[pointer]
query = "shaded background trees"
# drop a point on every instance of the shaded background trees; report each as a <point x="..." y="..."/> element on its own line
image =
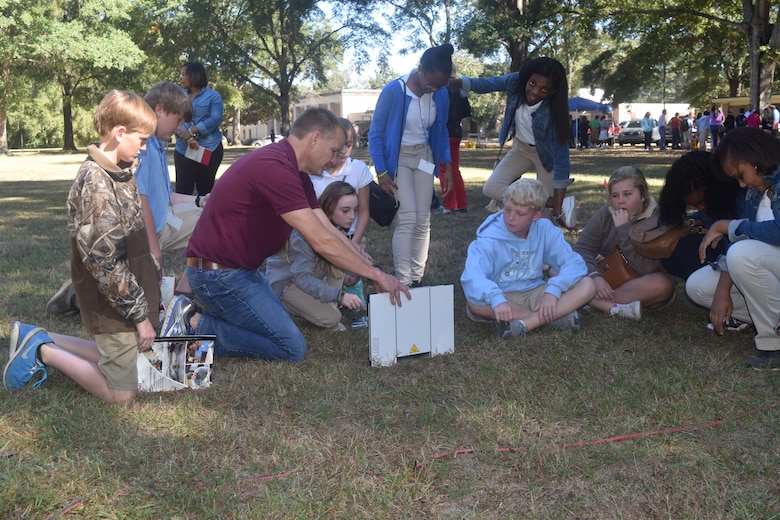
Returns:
<point x="262" y="55"/>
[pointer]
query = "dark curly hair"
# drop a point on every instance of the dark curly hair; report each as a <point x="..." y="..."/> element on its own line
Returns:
<point x="558" y="100"/>
<point x="689" y="174"/>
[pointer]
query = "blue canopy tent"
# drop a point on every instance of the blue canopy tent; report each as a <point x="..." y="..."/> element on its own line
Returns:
<point x="579" y="104"/>
<point x="587" y="105"/>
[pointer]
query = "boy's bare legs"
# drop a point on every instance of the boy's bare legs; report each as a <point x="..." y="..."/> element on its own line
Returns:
<point x="83" y="348"/>
<point x="83" y="370"/>
<point x="579" y="295"/>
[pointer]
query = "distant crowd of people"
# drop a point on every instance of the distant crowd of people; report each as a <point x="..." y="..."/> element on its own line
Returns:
<point x="691" y="131"/>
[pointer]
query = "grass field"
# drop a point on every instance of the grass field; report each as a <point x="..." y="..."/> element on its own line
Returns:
<point x="634" y="420"/>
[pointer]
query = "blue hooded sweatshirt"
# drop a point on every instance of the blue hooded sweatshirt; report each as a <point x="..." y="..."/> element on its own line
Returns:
<point x="499" y="262"/>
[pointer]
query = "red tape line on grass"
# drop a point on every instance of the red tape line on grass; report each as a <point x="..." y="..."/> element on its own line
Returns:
<point x="618" y="438"/>
<point x="464" y="451"/>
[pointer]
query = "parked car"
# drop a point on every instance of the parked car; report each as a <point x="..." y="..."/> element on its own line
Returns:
<point x="632" y="133"/>
<point x="262" y="142"/>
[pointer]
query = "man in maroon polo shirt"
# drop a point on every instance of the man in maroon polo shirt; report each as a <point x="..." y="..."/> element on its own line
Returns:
<point x="251" y="212"/>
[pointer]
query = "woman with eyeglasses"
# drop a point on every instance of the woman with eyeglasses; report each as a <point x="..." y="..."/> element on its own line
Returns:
<point x="537" y="111"/>
<point x="745" y="283"/>
<point x="408" y="141"/>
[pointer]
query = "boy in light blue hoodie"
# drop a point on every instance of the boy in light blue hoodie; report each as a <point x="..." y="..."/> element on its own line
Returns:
<point x="503" y="279"/>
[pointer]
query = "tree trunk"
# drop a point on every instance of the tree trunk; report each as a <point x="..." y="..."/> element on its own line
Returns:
<point x="519" y="53"/>
<point x="236" y="126"/>
<point x="6" y="79"/>
<point x="284" y="106"/>
<point x="3" y="133"/>
<point x="67" y="117"/>
<point x="762" y="68"/>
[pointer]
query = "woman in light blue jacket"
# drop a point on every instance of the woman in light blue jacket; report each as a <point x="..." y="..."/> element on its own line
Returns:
<point x="407" y="141"/>
<point x="537" y="111"/>
<point x="648" y="123"/>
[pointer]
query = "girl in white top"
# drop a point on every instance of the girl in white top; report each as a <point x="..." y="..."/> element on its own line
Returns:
<point x="355" y="173"/>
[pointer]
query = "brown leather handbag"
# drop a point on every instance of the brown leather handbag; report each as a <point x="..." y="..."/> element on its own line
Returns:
<point x="653" y="240"/>
<point x="615" y="269"/>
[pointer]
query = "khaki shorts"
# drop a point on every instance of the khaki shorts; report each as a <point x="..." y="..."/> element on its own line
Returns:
<point x="118" y="359"/>
<point x="527" y="299"/>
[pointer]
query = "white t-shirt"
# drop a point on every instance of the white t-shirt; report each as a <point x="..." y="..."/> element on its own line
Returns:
<point x="523" y="119"/>
<point x="355" y="173"/>
<point x="765" y="212"/>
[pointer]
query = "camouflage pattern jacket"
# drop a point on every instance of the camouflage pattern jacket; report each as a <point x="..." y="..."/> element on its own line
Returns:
<point x="113" y="271"/>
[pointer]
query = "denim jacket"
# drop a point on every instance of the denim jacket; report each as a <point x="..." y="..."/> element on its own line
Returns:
<point x="553" y="154"/>
<point x="747" y="227"/>
<point x="207" y="112"/>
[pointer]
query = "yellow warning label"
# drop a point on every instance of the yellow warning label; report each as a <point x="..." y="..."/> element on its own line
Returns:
<point x="414" y="350"/>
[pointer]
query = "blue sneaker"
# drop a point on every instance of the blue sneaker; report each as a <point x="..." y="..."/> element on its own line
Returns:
<point x="360" y="323"/>
<point x="23" y="364"/>
<point x="18" y="332"/>
<point x="177" y="317"/>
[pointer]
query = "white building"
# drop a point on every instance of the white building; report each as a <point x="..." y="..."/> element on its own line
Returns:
<point x="354" y="104"/>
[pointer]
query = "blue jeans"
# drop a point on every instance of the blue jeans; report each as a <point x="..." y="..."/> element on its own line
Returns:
<point x="715" y="134"/>
<point x="241" y="309"/>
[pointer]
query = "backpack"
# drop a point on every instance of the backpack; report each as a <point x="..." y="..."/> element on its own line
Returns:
<point x="741" y="120"/>
<point x="684" y="126"/>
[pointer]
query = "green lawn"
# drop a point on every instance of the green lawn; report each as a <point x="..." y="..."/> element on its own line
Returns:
<point x="635" y="420"/>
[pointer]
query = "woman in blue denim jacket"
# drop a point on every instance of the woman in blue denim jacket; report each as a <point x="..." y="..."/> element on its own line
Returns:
<point x="747" y="284"/>
<point x="537" y="111"/>
<point x="202" y="132"/>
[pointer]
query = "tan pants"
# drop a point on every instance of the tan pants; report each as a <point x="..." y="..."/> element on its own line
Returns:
<point x="527" y="299"/>
<point x="412" y="234"/>
<point x="521" y="159"/>
<point x="171" y="238"/>
<point x="303" y="305"/>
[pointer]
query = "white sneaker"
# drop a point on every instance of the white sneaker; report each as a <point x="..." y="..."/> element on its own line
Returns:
<point x="569" y="209"/>
<point x="632" y="311"/>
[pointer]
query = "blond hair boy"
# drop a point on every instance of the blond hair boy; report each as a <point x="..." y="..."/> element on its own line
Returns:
<point x="503" y="279"/>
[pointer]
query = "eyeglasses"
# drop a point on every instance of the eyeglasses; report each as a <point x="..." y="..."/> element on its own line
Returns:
<point x="434" y="86"/>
